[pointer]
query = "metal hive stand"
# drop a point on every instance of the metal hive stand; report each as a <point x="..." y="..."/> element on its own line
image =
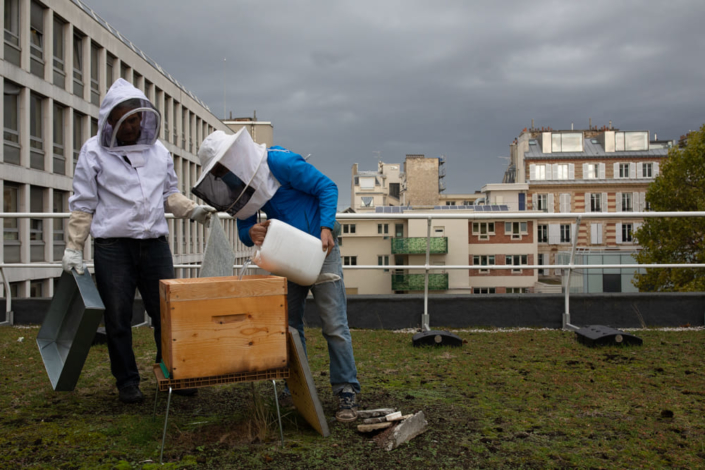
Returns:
<point x="168" y="385"/>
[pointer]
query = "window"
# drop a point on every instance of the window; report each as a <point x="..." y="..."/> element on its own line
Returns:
<point x="367" y="182"/>
<point x="95" y="74"/>
<point x="77" y="136"/>
<point x="564" y="202"/>
<point x="565" y="233"/>
<point x="394" y="190"/>
<point x="165" y="118"/>
<point x="540" y="263"/>
<point x="631" y="141"/>
<point x="450" y="203"/>
<point x="59" y="54"/>
<point x="567" y="142"/>
<point x="624" y="170"/>
<point x="58" y="205"/>
<point x="517" y="290"/>
<point x="383" y="228"/>
<point x="596" y="202"/>
<point x="627" y="202"/>
<point x="591" y="171"/>
<point x="11" y="232"/>
<point x="483" y="290"/>
<point x="561" y="171"/>
<point x="516" y="260"/>
<point x="383" y="260"/>
<point x="36" y="39"/>
<point x="627" y="232"/>
<point x="349" y="260"/>
<point x="540" y="172"/>
<point x="367" y="202"/>
<point x="543" y="233"/>
<point x="541" y="202"/>
<point x="516" y="229"/>
<point x="483" y="260"/>
<point x="175" y="110"/>
<point x="399" y="230"/>
<point x="94" y="132"/>
<point x="36" y="288"/>
<point x="36" y="226"/>
<point x="11" y="126"/>
<point x="647" y="170"/>
<point x="109" y="70"/>
<point x="12" y="31"/>
<point x="59" y="160"/>
<point x="348" y="228"/>
<point x="483" y="229"/>
<point x="124" y="71"/>
<point x="78" y="65"/>
<point x="36" y="134"/>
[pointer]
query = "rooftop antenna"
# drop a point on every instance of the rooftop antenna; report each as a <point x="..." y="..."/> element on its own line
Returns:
<point x="225" y="81"/>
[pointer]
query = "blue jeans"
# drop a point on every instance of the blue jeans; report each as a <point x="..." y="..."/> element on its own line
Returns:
<point x="329" y="295"/>
<point x="121" y="266"/>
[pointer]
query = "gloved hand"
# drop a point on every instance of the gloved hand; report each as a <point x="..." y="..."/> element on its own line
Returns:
<point x="73" y="259"/>
<point x="202" y="214"/>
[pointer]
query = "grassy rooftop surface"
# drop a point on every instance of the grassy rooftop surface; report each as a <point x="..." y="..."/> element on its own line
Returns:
<point x="508" y="399"/>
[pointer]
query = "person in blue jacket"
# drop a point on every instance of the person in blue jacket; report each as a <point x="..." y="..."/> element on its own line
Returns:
<point x="288" y="188"/>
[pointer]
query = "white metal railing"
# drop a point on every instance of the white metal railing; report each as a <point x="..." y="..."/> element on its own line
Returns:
<point x="429" y="216"/>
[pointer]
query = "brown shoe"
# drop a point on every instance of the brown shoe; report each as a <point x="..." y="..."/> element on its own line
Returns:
<point x="347" y="406"/>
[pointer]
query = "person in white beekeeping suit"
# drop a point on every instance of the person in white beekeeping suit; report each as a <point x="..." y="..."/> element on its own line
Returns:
<point x="123" y="184"/>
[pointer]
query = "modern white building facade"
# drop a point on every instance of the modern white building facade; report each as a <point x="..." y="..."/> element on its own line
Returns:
<point x="58" y="60"/>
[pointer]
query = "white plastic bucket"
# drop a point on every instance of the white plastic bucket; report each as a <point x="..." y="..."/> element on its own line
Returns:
<point x="291" y="253"/>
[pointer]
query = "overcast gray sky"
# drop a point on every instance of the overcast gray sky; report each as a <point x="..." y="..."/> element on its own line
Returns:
<point x="361" y="81"/>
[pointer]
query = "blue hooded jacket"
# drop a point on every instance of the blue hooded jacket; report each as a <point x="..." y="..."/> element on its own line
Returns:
<point x="307" y="199"/>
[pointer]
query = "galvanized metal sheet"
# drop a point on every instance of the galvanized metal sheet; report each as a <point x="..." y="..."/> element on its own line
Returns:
<point x="68" y="329"/>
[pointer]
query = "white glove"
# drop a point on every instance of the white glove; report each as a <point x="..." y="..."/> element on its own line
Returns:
<point x="202" y="214"/>
<point x="73" y="259"/>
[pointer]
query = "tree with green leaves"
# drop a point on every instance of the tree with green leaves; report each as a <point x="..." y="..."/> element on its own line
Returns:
<point x="679" y="187"/>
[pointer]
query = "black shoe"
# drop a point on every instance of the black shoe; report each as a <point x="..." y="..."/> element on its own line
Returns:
<point x="131" y="394"/>
<point x="186" y="392"/>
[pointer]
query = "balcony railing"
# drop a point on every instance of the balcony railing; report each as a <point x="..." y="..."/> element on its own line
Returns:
<point x="417" y="246"/>
<point x="407" y="282"/>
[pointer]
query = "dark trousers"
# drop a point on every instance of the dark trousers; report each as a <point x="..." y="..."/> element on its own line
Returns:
<point x="123" y="265"/>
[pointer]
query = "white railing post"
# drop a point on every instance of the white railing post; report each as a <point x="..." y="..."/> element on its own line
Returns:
<point x="9" y="315"/>
<point x="425" y="320"/>
<point x="566" y="314"/>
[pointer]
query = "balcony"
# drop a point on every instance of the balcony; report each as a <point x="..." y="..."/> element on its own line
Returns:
<point x="406" y="282"/>
<point x="417" y="246"/>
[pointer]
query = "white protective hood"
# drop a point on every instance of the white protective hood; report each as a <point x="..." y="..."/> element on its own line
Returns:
<point x="235" y="178"/>
<point x="120" y="92"/>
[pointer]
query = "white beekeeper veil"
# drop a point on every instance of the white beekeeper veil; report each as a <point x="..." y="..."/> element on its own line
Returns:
<point x="122" y="95"/>
<point x="235" y="176"/>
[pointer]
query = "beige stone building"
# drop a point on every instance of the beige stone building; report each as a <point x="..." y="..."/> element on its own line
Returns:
<point x="372" y="189"/>
<point x="262" y="132"/>
<point x="586" y="171"/>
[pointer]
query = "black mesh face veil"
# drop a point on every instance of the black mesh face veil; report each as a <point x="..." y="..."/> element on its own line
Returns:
<point x="224" y="190"/>
<point x="150" y="121"/>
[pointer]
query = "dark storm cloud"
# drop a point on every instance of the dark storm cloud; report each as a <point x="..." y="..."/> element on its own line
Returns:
<point x="354" y="82"/>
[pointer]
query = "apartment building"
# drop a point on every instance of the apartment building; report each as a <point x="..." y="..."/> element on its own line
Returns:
<point x="59" y="59"/>
<point x="372" y="189"/>
<point x="586" y="171"/>
<point x="262" y="132"/>
<point x="401" y="242"/>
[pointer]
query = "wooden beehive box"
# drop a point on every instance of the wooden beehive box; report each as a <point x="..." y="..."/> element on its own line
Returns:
<point x="221" y="325"/>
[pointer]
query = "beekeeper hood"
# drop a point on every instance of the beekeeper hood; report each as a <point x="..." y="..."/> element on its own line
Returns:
<point x="235" y="176"/>
<point x="128" y="122"/>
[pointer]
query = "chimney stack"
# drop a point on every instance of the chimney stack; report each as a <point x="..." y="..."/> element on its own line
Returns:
<point x="590" y="123"/>
<point x="571" y="126"/>
<point x="532" y="124"/>
<point x="610" y="124"/>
